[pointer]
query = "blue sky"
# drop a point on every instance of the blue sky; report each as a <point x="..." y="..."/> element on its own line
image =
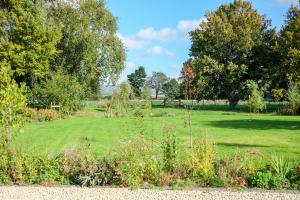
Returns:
<point x="155" y="31"/>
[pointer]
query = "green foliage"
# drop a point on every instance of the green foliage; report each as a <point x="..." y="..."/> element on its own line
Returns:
<point x="119" y="102"/>
<point x="12" y="104"/>
<point x="157" y="80"/>
<point x="104" y="173"/>
<point x="289" y="69"/>
<point x="170" y="149"/>
<point x="90" y="49"/>
<point x="202" y="159"/>
<point x="221" y="47"/>
<point x="256" y="101"/>
<point x="233" y="171"/>
<point x="47" y="115"/>
<point x="280" y="166"/>
<point x="293" y="97"/>
<point x="137" y="80"/>
<point x="261" y="179"/>
<point x="29" y="44"/>
<point x="59" y="89"/>
<point x="136" y="162"/>
<point x="278" y="94"/>
<point x="171" y="89"/>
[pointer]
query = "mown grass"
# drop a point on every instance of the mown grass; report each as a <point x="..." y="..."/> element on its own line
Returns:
<point x="232" y="131"/>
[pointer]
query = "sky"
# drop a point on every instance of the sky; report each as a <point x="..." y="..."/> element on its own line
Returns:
<point x="155" y="32"/>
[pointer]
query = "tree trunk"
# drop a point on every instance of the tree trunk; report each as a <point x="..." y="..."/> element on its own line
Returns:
<point x="233" y="101"/>
<point x="156" y="94"/>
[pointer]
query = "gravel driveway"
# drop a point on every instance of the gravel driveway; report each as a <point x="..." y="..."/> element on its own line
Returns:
<point x="74" y="193"/>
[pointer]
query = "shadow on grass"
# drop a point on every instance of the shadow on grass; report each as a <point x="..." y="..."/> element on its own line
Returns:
<point x="257" y="124"/>
<point x="241" y="145"/>
<point x="211" y="107"/>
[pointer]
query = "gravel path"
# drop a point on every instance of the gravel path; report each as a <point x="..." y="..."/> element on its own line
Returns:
<point x="74" y="193"/>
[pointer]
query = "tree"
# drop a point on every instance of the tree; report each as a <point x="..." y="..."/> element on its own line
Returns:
<point x="61" y="89"/>
<point x="137" y="80"/>
<point x="290" y="47"/>
<point x="12" y="104"/>
<point x="27" y="39"/>
<point x="221" y="48"/>
<point x="293" y="97"/>
<point x="90" y="49"/>
<point x="256" y="100"/>
<point x="171" y="89"/>
<point x="157" y="80"/>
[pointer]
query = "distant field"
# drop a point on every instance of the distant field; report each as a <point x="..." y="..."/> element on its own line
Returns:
<point x="231" y="131"/>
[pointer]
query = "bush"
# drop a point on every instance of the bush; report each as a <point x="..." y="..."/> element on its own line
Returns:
<point x="137" y="163"/>
<point x="201" y="162"/>
<point x="169" y="148"/>
<point x="260" y="179"/>
<point x="47" y="115"/>
<point x="293" y="98"/>
<point x="31" y="114"/>
<point x="60" y="89"/>
<point x="104" y="173"/>
<point x="294" y="178"/>
<point x="256" y="100"/>
<point x="234" y="171"/>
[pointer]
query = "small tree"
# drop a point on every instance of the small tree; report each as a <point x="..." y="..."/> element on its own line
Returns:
<point x="171" y="89"/>
<point x="293" y="97"/>
<point x="137" y="80"/>
<point x="157" y="81"/>
<point x="120" y="100"/>
<point x="12" y="104"/>
<point x="256" y="100"/>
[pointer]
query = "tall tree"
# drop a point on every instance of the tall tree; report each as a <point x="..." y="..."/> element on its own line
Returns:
<point x="137" y="80"/>
<point x="171" y="89"/>
<point x="222" y="45"/>
<point x="157" y="80"/>
<point x="27" y="39"/>
<point x="290" y="46"/>
<point x="90" y="49"/>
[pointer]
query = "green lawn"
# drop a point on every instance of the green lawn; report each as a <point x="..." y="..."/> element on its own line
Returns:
<point x="231" y="131"/>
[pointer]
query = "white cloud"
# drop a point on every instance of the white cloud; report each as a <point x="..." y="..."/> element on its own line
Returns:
<point x="286" y="1"/>
<point x="132" y="43"/>
<point x="154" y="51"/>
<point x="150" y="33"/>
<point x="189" y="25"/>
<point x="170" y="54"/>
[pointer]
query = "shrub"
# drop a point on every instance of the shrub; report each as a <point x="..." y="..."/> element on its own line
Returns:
<point x="279" y="182"/>
<point x="137" y="162"/>
<point x="31" y="114"/>
<point x="278" y="94"/>
<point x="169" y="148"/>
<point x="104" y="173"/>
<point x="60" y="89"/>
<point x="233" y="171"/>
<point x="293" y="97"/>
<point x="76" y="163"/>
<point x="47" y="115"/>
<point x="260" y="179"/>
<point x="256" y="100"/>
<point x="294" y="178"/>
<point x="201" y="162"/>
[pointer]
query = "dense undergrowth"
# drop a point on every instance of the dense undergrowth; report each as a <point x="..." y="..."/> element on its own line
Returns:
<point x="143" y="163"/>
